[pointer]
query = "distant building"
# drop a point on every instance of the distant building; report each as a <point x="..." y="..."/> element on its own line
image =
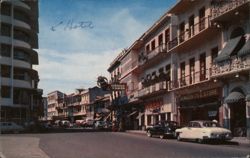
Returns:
<point x="20" y="96"/>
<point x="55" y="105"/>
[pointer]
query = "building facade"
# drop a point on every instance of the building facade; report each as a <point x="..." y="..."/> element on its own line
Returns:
<point x="192" y="64"/>
<point x="20" y="95"/>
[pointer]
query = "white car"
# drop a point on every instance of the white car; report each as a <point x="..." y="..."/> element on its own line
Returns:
<point x="6" y="127"/>
<point x="203" y="130"/>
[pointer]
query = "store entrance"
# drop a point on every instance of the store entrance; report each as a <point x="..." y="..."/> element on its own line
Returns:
<point x="238" y="118"/>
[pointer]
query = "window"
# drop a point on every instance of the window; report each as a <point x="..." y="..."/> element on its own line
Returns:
<point x="167" y="36"/>
<point x="202" y="18"/>
<point x="5" y="30"/>
<point x="5" y="9"/>
<point x="183" y="83"/>
<point x="191" y="26"/>
<point x="147" y="48"/>
<point x="202" y="66"/>
<point x="5" y="71"/>
<point x="21" y="55"/>
<point x="168" y="69"/>
<point x="214" y="53"/>
<point x="19" y="15"/>
<point x="20" y="35"/>
<point x="5" y="91"/>
<point x="182" y="31"/>
<point x="192" y="71"/>
<point x="5" y="50"/>
<point x="160" y="39"/>
<point x="153" y="45"/>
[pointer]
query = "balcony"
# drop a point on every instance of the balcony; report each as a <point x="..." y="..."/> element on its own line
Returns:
<point x="153" y="89"/>
<point x="148" y="58"/>
<point x="187" y="35"/>
<point x="189" y="80"/>
<point x="223" y="7"/>
<point x="232" y="66"/>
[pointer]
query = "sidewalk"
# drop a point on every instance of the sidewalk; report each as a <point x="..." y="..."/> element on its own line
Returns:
<point x="20" y="147"/>
<point x="242" y="141"/>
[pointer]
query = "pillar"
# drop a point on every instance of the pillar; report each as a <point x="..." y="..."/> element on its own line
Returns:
<point x="248" y="118"/>
<point x="226" y="116"/>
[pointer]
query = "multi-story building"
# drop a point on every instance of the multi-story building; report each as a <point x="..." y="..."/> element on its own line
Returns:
<point x="89" y="97"/>
<point x="74" y="106"/>
<point x="18" y="80"/>
<point x="56" y="105"/>
<point x="231" y="67"/>
<point x="193" y="64"/>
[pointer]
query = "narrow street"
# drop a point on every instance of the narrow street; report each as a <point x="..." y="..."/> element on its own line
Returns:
<point x="124" y="145"/>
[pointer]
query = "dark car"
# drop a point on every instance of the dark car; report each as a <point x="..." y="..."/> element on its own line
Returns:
<point x="163" y="129"/>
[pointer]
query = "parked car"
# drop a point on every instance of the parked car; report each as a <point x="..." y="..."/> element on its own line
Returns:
<point x="201" y="131"/>
<point x="89" y="123"/>
<point x="100" y="124"/>
<point x="10" y="127"/>
<point x="162" y="129"/>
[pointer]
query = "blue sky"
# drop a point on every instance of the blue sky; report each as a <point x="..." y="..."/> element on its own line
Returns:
<point x="79" y="38"/>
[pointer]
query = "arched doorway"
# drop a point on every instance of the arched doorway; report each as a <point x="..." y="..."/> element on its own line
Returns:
<point x="237" y="106"/>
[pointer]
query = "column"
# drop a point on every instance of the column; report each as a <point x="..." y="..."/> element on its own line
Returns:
<point x="248" y="118"/>
<point x="226" y="116"/>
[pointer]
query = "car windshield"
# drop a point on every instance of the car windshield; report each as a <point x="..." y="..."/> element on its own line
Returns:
<point x="210" y="124"/>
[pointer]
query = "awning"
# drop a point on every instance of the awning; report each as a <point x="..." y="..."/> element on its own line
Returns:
<point x="228" y="49"/>
<point x="234" y="97"/>
<point x="140" y="115"/>
<point x="245" y="50"/>
<point x="248" y="97"/>
<point x="132" y="113"/>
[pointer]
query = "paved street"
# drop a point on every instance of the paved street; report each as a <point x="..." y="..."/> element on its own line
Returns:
<point x="118" y="145"/>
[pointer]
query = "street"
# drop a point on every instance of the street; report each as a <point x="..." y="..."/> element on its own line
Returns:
<point x="118" y="145"/>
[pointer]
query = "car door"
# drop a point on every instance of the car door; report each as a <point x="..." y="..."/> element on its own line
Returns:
<point x="196" y="131"/>
<point x="186" y="131"/>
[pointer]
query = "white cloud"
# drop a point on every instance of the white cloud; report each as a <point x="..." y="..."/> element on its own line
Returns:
<point x="74" y="58"/>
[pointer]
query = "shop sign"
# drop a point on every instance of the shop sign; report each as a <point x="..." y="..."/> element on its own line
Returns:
<point x="154" y="106"/>
<point x="212" y="113"/>
<point x="199" y="95"/>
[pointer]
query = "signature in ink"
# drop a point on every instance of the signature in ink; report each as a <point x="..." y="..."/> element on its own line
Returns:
<point x="71" y="25"/>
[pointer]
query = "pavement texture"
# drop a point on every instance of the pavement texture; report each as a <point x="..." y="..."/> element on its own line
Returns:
<point x="242" y="141"/>
<point x="20" y="147"/>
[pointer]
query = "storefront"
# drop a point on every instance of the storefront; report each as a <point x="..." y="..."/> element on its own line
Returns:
<point x="200" y="105"/>
<point x="157" y="109"/>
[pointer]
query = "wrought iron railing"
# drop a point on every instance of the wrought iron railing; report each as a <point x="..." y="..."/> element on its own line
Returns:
<point x="233" y="65"/>
<point x="190" y="32"/>
<point x="221" y="7"/>
<point x="163" y="85"/>
<point x="191" y="79"/>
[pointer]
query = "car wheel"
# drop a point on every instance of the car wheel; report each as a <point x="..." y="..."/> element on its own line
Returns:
<point x="178" y="137"/>
<point x="162" y="136"/>
<point x="149" y="134"/>
<point x="200" y="141"/>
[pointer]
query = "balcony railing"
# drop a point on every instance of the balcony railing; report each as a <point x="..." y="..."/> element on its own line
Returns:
<point x="151" y="54"/>
<point x="189" y="33"/>
<point x="153" y="88"/>
<point x="194" y="78"/>
<point x="222" y="7"/>
<point x="231" y="66"/>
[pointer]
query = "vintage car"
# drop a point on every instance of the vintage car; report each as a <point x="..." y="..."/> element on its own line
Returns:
<point x="7" y="127"/>
<point x="162" y="129"/>
<point x="201" y="131"/>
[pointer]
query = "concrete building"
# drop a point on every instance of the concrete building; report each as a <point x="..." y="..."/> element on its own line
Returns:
<point x="192" y="64"/>
<point x="231" y="67"/>
<point x="18" y="39"/>
<point x="56" y="105"/>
